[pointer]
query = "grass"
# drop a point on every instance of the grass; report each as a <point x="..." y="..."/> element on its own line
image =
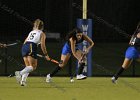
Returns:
<point x="95" y="88"/>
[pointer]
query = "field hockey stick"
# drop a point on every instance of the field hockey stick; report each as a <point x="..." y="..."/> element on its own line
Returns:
<point x="12" y="44"/>
<point x="50" y="59"/>
<point x="83" y="57"/>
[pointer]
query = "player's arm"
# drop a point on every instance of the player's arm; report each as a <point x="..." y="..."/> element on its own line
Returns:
<point x="89" y="41"/>
<point x="43" y="46"/>
<point x="72" y="42"/>
<point x="138" y="35"/>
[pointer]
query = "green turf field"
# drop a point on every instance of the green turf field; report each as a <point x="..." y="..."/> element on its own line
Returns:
<point x="61" y="89"/>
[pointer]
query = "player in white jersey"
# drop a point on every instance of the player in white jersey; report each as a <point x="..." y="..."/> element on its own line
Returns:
<point x="29" y="51"/>
<point x="34" y="36"/>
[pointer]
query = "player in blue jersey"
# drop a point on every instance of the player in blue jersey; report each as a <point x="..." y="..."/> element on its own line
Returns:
<point x="71" y="48"/>
<point x="132" y="52"/>
<point x="29" y="51"/>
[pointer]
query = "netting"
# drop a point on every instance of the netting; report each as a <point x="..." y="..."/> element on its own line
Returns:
<point x="111" y="32"/>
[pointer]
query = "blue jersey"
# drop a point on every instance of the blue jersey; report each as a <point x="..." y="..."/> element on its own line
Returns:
<point x="29" y="49"/>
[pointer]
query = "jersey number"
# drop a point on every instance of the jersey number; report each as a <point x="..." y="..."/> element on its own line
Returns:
<point x="32" y="36"/>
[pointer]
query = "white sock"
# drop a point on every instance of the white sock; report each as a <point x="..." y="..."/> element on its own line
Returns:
<point x="27" y="69"/>
<point x="24" y="77"/>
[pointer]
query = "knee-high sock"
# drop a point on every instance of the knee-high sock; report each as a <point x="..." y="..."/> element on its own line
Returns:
<point x="24" y="77"/>
<point x="81" y="67"/>
<point x="27" y="69"/>
<point x="55" y="71"/>
<point x="119" y="72"/>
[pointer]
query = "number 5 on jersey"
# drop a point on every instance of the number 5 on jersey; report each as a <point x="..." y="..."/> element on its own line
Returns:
<point x="32" y="35"/>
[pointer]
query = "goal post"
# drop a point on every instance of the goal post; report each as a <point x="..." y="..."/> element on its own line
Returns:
<point x="86" y="26"/>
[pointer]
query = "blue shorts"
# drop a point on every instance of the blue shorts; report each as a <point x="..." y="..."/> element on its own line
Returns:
<point x="132" y="53"/>
<point x="29" y="49"/>
<point x="66" y="49"/>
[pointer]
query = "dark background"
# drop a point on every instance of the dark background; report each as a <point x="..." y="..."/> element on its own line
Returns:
<point x="113" y="22"/>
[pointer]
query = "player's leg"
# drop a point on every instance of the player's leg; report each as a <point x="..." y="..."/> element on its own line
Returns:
<point x="65" y="55"/>
<point x="29" y="56"/>
<point x="32" y="64"/>
<point x="125" y="65"/>
<point x="80" y="76"/>
<point x="63" y="62"/>
<point x="81" y="67"/>
<point x="24" y="72"/>
<point x="19" y="74"/>
<point x="131" y="53"/>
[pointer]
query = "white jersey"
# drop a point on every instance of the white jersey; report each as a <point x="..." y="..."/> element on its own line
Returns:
<point x="34" y="36"/>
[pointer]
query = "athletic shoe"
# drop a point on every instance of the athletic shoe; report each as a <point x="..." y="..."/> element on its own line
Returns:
<point x="48" y="78"/>
<point x="80" y="77"/>
<point x="23" y="83"/>
<point x="18" y="76"/>
<point x="113" y="79"/>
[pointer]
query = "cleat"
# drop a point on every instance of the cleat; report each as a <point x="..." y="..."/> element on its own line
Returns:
<point x="80" y="77"/>
<point x="23" y="83"/>
<point x="18" y="76"/>
<point x="113" y="79"/>
<point x="48" y="78"/>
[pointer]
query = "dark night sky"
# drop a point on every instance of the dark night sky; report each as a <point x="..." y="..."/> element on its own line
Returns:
<point x="60" y="16"/>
